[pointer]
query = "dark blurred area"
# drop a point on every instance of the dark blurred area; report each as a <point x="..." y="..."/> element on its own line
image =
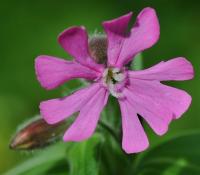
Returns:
<point x="30" y="28"/>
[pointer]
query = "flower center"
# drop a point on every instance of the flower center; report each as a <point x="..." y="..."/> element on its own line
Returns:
<point x="113" y="79"/>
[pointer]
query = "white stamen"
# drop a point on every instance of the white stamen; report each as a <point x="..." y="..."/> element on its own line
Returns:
<point x="110" y="77"/>
<point x="115" y="70"/>
<point x="119" y="77"/>
<point x="113" y="90"/>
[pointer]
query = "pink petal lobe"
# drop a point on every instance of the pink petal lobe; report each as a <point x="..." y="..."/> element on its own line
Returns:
<point x="154" y="113"/>
<point x="122" y="47"/>
<point x="74" y="40"/>
<point x="52" y="72"/>
<point x="158" y="104"/>
<point x="174" y="69"/>
<point x="134" y="138"/>
<point x="85" y="124"/>
<point x="144" y="34"/>
<point x="116" y="32"/>
<point x="56" y="110"/>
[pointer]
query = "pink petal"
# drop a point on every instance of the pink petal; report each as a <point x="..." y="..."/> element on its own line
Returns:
<point x="56" y="110"/>
<point x="161" y="99"/>
<point x="174" y="69"/>
<point x="154" y="113"/>
<point x="145" y="33"/>
<point x="52" y="72"/>
<point x="85" y="124"/>
<point x="134" y="138"/>
<point x="116" y="32"/>
<point x="75" y="41"/>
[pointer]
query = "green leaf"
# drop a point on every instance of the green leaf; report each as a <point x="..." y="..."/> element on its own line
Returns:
<point x="42" y="161"/>
<point x="137" y="63"/>
<point x="177" y="156"/>
<point x="113" y="160"/>
<point x="83" y="157"/>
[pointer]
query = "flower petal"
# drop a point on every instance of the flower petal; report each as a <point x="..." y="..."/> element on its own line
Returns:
<point x="74" y="40"/>
<point x="174" y="69"/>
<point x="52" y="72"/>
<point x="56" y="110"/>
<point x="162" y="100"/>
<point x="123" y="47"/>
<point x="154" y="113"/>
<point x="134" y="138"/>
<point x="144" y="34"/>
<point x="85" y="124"/>
<point x="116" y="32"/>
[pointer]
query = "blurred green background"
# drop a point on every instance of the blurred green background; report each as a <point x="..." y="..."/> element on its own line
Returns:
<point x="30" y="28"/>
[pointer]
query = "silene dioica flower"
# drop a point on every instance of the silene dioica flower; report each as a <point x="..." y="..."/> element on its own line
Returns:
<point x="138" y="92"/>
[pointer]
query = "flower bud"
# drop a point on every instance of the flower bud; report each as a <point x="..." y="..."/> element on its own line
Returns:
<point x="37" y="134"/>
<point x="98" y="48"/>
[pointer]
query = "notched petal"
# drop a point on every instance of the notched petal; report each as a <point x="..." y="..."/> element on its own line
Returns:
<point x="52" y="72"/>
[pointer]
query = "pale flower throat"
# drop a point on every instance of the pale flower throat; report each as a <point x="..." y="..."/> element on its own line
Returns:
<point x="111" y="77"/>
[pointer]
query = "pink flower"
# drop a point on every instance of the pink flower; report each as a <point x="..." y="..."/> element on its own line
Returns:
<point x="138" y="92"/>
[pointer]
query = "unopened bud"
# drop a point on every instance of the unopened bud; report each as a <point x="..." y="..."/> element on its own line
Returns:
<point x="98" y="48"/>
<point x="37" y="134"/>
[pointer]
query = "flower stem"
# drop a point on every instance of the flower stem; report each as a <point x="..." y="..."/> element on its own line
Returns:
<point x="110" y="130"/>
